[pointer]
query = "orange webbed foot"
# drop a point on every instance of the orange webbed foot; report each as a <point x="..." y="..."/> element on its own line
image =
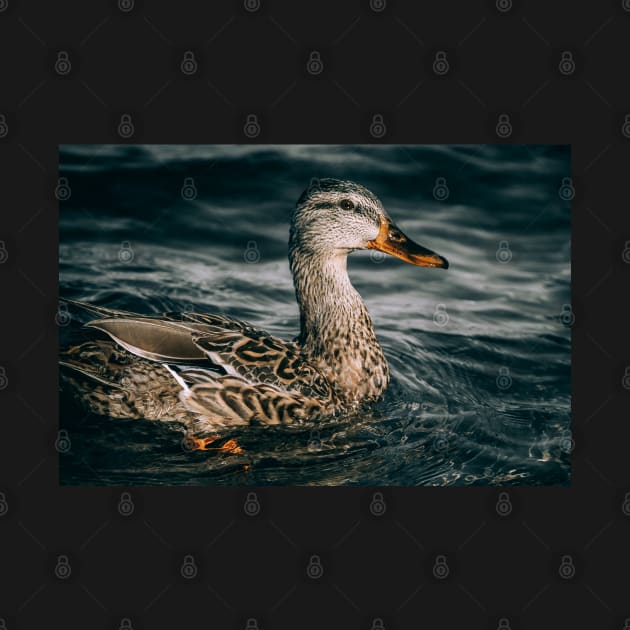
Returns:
<point x="202" y="444"/>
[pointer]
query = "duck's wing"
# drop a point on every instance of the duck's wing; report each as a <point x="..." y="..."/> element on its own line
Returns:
<point x="231" y="400"/>
<point x="268" y="381"/>
<point x="259" y="357"/>
<point x="229" y="372"/>
<point x="238" y="349"/>
<point x="167" y="337"/>
<point x="111" y="381"/>
<point x="153" y="339"/>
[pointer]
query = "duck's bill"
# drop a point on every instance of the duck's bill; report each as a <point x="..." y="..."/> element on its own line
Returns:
<point x="391" y="240"/>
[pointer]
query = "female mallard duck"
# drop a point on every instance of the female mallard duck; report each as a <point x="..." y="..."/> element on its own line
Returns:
<point x="215" y="371"/>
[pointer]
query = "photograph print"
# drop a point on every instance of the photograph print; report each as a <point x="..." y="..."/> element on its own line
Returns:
<point x="251" y="315"/>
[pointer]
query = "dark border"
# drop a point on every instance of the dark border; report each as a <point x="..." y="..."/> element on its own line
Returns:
<point x="504" y="59"/>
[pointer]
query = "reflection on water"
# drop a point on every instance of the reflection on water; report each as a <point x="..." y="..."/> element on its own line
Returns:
<point x="480" y="354"/>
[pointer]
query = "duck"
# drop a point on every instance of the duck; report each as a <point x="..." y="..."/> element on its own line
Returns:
<point x="210" y="371"/>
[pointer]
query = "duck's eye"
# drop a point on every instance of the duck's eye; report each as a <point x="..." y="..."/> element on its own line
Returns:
<point x="346" y="204"/>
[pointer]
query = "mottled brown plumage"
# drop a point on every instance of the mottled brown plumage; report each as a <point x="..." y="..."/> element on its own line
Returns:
<point x="212" y="371"/>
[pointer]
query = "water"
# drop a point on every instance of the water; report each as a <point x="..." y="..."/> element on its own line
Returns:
<point x="479" y="354"/>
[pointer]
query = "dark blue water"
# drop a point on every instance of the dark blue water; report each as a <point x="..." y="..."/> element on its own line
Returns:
<point x="480" y="353"/>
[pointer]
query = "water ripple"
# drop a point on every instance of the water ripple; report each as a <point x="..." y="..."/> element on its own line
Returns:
<point x="482" y="398"/>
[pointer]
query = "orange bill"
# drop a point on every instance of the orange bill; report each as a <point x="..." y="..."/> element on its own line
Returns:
<point x="391" y="240"/>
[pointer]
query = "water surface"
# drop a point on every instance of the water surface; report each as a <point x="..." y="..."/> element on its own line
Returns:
<point x="479" y="354"/>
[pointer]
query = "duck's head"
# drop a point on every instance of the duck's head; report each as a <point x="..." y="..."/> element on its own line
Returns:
<point x="334" y="217"/>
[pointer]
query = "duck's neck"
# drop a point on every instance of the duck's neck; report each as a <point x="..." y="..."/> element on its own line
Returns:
<point x="335" y="326"/>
